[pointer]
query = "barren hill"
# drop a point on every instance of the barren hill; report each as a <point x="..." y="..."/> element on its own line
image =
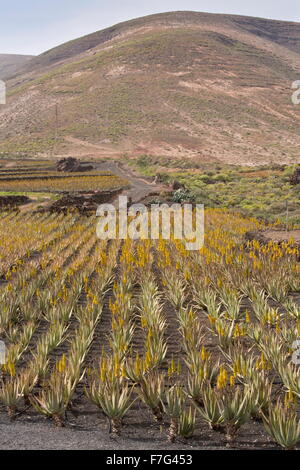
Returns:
<point x="11" y="63"/>
<point x="194" y="85"/>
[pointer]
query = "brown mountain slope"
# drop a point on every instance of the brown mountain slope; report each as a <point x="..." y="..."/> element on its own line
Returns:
<point x="212" y="87"/>
<point x="11" y="63"/>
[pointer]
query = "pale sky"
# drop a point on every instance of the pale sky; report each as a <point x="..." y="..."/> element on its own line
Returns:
<point x="34" y="26"/>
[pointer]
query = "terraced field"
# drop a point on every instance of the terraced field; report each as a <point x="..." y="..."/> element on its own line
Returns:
<point x="42" y="177"/>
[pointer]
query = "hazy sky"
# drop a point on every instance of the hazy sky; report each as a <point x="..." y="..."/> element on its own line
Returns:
<point x="33" y="26"/>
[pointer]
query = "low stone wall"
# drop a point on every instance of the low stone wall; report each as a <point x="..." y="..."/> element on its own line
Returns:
<point x="83" y="203"/>
<point x="13" y="201"/>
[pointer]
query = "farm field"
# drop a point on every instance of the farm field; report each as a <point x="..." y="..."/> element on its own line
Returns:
<point x="146" y="342"/>
<point x="27" y="176"/>
<point x="112" y="338"/>
<point x="59" y="184"/>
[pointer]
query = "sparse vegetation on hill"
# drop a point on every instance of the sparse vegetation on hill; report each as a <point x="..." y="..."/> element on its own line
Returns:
<point x="191" y="85"/>
<point x="261" y="192"/>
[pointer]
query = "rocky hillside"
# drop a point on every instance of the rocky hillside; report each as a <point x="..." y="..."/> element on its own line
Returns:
<point x="193" y="85"/>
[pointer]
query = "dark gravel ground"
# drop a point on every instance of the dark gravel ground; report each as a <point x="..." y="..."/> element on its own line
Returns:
<point x="88" y="430"/>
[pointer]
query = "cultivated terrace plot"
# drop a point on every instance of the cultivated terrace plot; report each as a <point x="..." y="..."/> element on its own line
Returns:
<point x="148" y="340"/>
<point x="28" y="176"/>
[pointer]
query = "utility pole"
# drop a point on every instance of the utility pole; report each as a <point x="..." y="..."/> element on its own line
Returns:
<point x="56" y="122"/>
<point x="55" y="129"/>
<point x="56" y="125"/>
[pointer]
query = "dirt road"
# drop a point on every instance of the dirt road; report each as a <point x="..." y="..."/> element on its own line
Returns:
<point x="139" y="187"/>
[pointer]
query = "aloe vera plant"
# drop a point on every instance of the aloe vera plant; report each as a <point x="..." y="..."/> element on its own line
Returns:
<point x="114" y="398"/>
<point x="174" y="408"/>
<point x="283" y="425"/>
<point x="235" y="406"/>
<point x="151" y="392"/>
<point x="11" y="395"/>
<point x="211" y="408"/>
<point x="51" y="401"/>
<point x="187" y="423"/>
<point x="260" y="394"/>
<point x="289" y="374"/>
